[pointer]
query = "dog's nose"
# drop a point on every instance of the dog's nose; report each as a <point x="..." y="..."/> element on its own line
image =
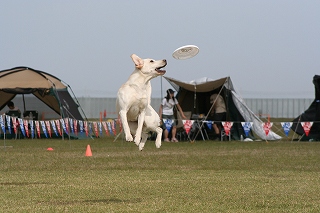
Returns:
<point x="164" y="60"/>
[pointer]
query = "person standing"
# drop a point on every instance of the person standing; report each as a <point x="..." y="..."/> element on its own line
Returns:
<point x="166" y="112"/>
<point x="218" y="112"/>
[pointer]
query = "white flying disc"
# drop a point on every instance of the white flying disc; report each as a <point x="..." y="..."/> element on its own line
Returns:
<point x="185" y="52"/>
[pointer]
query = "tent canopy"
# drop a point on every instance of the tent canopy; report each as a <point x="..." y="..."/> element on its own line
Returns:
<point x="195" y="95"/>
<point x="46" y="87"/>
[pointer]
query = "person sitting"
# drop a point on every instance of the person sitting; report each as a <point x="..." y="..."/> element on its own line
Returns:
<point x="166" y="112"/>
<point x="218" y="113"/>
<point x="13" y="109"/>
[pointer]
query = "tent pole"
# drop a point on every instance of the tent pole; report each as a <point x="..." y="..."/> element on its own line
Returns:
<point x="24" y="103"/>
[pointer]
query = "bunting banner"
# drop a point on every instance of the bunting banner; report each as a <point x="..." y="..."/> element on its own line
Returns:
<point x="37" y="127"/>
<point x="26" y="127"/>
<point x="54" y="128"/>
<point x="58" y="127"/>
<point x="227" y="127"/>
<point x="286" y="127"/>
<point x="75" y="124"/>
<point x="104" y="124"/>
<point x="187" y="124"/>
<point x="109" y="127"/>
<point x="63" y="126"/>
<point x="3" y="126"/>
<point x="100" y="127"/>
<point x="21" y="126"/>
<point x="14" y="124"/>
<point x="306" y="127"/>
<point x="209" y="124"/>
<point x="168" y="123"/>
<point x="95" y="126"/>
<point x="48" y="128"/>
<point x="43" y="125"/>
<point x="246" y="127"/>
<point x="85" y="123"/>
<point x="266" y="127"/>
<point x="31" y="128"/>
<point x="71" y="125"/>
<point x="8" y="118"/>
<point x="113" y="127"/>
<point x="81" y="126"/>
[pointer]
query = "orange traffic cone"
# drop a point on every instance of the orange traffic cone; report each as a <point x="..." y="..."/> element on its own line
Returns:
<point x="88" y="151"/>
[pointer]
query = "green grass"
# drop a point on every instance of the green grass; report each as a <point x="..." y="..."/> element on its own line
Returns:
<point x="179" y="177"/>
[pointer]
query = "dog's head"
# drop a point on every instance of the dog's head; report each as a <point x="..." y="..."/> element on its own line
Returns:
<point x="149" y="67"/>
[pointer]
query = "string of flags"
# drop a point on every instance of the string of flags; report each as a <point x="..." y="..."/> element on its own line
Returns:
<point x="247" y="126"/>
<point x="57" y="127"/>
<point x="33" y="128"/>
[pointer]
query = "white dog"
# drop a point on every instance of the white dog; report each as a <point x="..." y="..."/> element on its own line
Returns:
<point x="133" y="101"/>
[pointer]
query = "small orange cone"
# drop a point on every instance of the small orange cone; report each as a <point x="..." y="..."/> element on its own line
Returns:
<point x="50" y="149"/>
<point x="88" y="151"/>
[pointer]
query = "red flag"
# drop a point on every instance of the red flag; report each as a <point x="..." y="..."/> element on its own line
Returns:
<point x="58" y="126"/>
<point x="104" y="124"/>
<point x="75" y="125"/>
<point x="26" y="127"/>
<point x="48" y="127"/>
<point x="37" y="128"/>
<point x="306" y="127"/>
<point x="85" y="123"/>
<point x="187" y="124"/>
<point x="227" y="127"/>
<point x="95" y="126"/>
<point x="266" y="127"/>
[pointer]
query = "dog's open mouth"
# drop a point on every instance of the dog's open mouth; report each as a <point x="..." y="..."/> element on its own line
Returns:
<point x="160" y="70"/>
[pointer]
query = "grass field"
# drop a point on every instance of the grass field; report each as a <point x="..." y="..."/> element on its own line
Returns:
<point x="179" y="177"/>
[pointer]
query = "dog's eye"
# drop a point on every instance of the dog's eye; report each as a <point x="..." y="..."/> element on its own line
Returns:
<point x="151" y="61"/>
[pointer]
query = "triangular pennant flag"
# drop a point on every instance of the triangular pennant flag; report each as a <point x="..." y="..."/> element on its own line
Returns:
<point x="14" y="124"/>
<point x="104" y="124"/>
<point x="266" y="127"/>
<point x="3" y="126"/>
<point x="37" y="128"/>
<point x="90" y="128"/>
<point x="43" y="125"/>
<point x="64" y="127"/>
<point x="58" y="126"/>
<point x="113" y="127"/>
<point x="54" y="128"/>
<point x="81" y="126"/>
<point x="48" y="128"/>
<point x="109" y="127"/>
<point x="71" y="125"/>
<point x="75" y="126"/>
<point x="95" y="126"/>
<point x="168" y="123"/>
<point x="286" y="127"/>
<point x="66" y="122"/>
<point x="8" y="118"/>
<point x="100" y="127"/>
<point x="21" y="126"/>
<point x="246" y="127"/>
<point x="306" y="127"/>
<point x="85" y="123"/>
<point x="209" y="124"/>
<point x="187" y="124"/>
<point x="227" y="127"/>
<point x="26" y="127"/>
<point x="31" y="128"/>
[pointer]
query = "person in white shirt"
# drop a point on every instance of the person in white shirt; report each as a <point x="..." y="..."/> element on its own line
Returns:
<point x="218" y="112"/>
<point x="166" y="112"/>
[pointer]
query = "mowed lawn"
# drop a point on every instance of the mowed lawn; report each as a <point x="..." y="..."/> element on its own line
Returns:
<point x="208" y="176"/>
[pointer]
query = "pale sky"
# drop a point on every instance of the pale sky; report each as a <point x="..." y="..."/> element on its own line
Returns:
<point x="270" y="49"/>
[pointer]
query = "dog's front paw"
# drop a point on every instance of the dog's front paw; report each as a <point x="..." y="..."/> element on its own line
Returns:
<point x="158" y="144"/>
<point x="129" y="138"/>
<point x="141" y="146"/>
<point x="137" y="141"/>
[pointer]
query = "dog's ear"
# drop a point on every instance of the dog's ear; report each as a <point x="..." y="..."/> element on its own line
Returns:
<point x="137" y="61"/>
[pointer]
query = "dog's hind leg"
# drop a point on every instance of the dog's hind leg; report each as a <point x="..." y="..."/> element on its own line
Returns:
<point x="159" y="137"/>
<point x="144" y="137"/>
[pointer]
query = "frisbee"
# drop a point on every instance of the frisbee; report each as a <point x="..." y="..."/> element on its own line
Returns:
<point x="185" y="52"/>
